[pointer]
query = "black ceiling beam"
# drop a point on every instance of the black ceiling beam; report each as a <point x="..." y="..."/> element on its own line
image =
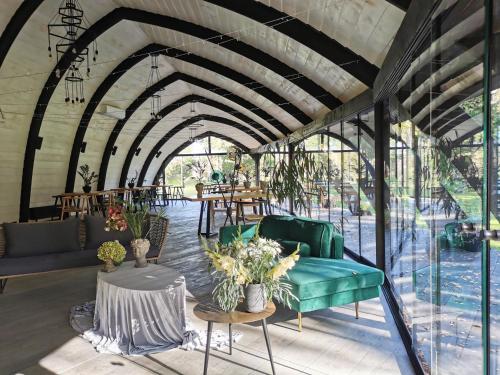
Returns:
<point x="176" y="152"/>
<point x="127" y="64"/>
<point x="305" y="34"/>
<point x="450" y="121"/>
<point x="94" y="101"/>
<point x="427" y="123"/>
<point x="16" y="23"/>
<point x="232" y="44"/>
<point x="121" y="69"/>
<point x="401" y="4"/>
<point x="63" y="64"/>
<point x="175" y="105"/>
<point x="134" y="106"/>
<point x="184" y="125"/>
<point x="237" y="77"/>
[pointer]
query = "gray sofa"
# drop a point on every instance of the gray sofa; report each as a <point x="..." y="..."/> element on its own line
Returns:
<point x="33" y="248"/>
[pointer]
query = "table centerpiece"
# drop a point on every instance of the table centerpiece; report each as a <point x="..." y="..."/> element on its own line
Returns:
<point x="136" y="218"/>
<point x="253" y="271"/>
<point x="112" y="253"/>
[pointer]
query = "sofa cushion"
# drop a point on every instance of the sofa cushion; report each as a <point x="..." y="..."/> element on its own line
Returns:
<point x="31" y="239"/>
<point x="228" y="234"/>
<point x="315" y="277"/>
<point x="275" y="227"/>
<point x="318" y="234"/>
<point x="48" y="262"/>
<point x="290" y="246"/>
<point x="95" y="235"/>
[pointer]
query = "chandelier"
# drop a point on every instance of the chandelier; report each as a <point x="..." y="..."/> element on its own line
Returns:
<point x="66" y="26"/>
<point x="192" y="132"/>
<point x="153" y="79"/>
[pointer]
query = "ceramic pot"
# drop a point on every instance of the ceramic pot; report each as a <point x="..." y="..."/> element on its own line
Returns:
<point x="263" y="186"/>
<point x="131" y="185"/>
<point x="140" y="248"/>
<point x="87" y="189"/>
<point x="109" y="266"/>
<point x="255" y="298"/>
<point x="247" y="184"/>
<point x="199" y="189"/>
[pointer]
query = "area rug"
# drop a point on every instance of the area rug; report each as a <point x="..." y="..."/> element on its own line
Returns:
<point x="81" y="320"/>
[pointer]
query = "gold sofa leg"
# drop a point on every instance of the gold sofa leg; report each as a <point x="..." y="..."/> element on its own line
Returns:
<point x="356" y="306"/>
<point x="299" y="317"/>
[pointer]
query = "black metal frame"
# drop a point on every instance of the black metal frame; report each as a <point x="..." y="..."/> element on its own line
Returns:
<point x="230" y="328"/>
<point x="171" y="107"/>
<point x="185" y="124"/>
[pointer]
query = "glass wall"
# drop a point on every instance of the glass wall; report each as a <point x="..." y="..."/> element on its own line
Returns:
<point x="342" y="189"/>
<point x="434" y="175"/>
<point x="494" y="253"/>
<point x="192" y="164"/>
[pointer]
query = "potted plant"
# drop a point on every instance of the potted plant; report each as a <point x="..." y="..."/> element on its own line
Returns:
<point x="198" y="169"/>
<point x="253" y="271"/>
<point x="247" y="174"/>
<point x="136" y="219"/>
<point x="88" y="177"/>
<point x="112" y="253"/>
<point x="131" y="181"/>
<point x="264" y="183"/>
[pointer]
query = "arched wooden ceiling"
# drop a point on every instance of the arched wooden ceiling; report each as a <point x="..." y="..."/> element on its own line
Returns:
<point x="280" y="67"/>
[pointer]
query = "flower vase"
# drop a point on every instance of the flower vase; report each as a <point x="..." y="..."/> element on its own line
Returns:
<point x="255" y="298"/>
<point x="247" y="184"/>
<point x="140" y="248"/>
<point x="109" y="266"/>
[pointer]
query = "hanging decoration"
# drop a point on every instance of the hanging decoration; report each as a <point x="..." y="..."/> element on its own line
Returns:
<point x="192" y="131"/>
<point x="66" y="26"/>
<point x="153" y="79"/>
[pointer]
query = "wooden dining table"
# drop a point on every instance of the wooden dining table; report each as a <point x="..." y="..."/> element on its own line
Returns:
<point x="207" y="205"/>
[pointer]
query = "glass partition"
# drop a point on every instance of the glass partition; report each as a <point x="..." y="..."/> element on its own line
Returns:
<point x="434" y="173"/>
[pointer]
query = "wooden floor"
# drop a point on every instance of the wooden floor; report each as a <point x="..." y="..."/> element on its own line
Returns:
<point x="35" y="337"/>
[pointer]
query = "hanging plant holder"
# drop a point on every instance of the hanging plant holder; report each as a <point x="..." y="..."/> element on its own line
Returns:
<point x="153" y="79"/>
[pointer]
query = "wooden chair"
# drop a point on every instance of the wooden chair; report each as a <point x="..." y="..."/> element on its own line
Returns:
<point x="75" y="203"/>
<point x="258" y="205"/>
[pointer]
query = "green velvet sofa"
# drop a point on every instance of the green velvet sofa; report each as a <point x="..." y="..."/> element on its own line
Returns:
<point x="321" y="278"/>
<point x="452" y="237"/>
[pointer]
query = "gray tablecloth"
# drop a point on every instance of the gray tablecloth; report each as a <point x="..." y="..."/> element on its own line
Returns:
<point x="139" y="310"/>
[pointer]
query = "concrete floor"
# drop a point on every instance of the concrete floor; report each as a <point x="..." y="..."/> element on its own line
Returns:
<point x="36" y="338"/>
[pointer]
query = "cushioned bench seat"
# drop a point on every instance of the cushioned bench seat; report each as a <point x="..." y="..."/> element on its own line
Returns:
<point x="321" y="282"/>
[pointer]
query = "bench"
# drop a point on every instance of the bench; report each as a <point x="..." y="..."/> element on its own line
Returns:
<point x="35" y="248"/>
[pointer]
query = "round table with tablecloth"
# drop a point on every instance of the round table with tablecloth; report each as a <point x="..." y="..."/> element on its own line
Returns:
<point x="139" y="310"/>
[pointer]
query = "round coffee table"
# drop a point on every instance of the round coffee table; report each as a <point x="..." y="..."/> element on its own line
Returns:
<point x="139" y="310"/>
<point x="212" y="314"/>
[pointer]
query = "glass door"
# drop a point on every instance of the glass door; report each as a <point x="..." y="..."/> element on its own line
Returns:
<point x="492" y="252"/>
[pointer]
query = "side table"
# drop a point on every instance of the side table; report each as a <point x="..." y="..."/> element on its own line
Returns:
<point x="212" y="314"/>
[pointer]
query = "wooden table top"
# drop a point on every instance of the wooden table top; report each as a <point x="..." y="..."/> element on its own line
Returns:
<point x="212" y="313"/>
<point x="227" y="196"/>
<point x="78" y="194"/>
